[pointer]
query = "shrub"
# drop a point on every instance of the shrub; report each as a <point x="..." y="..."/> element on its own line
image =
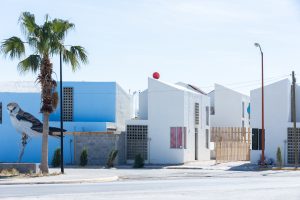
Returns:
<point x="9" y="172"/>
<point x="111" y="158"/>
<point x="84" y="157"/>
<point x="138" y="161"/>
<point x="56" y="158"/>
<point x="279" y="158"/>
<point x="268" y="162"/>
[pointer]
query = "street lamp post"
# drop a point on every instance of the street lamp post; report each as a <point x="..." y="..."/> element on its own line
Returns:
<point x="262" y="107"/>
<point x="61" y="118"/>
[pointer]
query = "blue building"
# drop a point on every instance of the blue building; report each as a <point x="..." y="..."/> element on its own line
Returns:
<point x="88" y="107"/>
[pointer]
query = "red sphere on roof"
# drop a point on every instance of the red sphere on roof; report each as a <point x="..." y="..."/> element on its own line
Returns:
<point x="156" y="75"/>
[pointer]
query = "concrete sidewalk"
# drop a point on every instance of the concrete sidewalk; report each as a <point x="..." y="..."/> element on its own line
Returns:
<point x="72" y="175"/>
<point x="192" y="170"/>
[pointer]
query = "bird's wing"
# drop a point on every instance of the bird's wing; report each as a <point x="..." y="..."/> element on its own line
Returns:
<point x="36" y="124"/>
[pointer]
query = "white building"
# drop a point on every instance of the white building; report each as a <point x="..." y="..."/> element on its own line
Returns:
<point x="173" y="125"/>
<point x="229" y="108"/>
<point x="278" y="121"/>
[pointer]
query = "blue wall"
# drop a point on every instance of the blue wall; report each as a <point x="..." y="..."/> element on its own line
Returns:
<point x="92" y="101"/>
<point x="10" y="140"/>
<point x="94" y="105"/>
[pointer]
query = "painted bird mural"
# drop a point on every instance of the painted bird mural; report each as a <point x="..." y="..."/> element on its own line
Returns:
<point x="27" y="125"/>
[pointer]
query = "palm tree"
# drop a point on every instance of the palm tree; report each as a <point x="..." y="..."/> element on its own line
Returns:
<point x="45" y="41"/>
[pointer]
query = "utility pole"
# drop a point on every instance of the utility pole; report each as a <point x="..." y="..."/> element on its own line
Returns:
<point x="294" y="119"/>
<point x="61" y="118"/>
<point x="262" y="107"/>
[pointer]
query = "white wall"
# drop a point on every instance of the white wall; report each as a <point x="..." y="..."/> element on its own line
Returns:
<point x="165" y="105"/>
<point x="143" y="105"/>
<point x="277" y="114"/>
<point x="173" y="106"/>
<point x="228" y="107"/>
<point x="165" y="110"/>
<point x="123" y="108"/>
<point x="212" y="98"/>
<point x="189" y="121"/>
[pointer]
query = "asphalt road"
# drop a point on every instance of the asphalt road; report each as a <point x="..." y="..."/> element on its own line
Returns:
<point x="199" y="188"/>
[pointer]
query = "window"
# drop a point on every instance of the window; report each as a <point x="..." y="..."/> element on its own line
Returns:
<point x="207" y="138"/>
<point x="243" y="109"/>
<point x="68" y="104"/>
<point x="212" y="110"/>
<point x="197" y="113"/>
<point x="256" y="139"/>
<point x="184" y="136"/>
<point x="178" y="137"/>
<point x="248" y="111"/>
<point x="0" y="112"/>
<point x="207" y="115"/>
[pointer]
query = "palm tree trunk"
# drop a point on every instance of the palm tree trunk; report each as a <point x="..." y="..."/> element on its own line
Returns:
<point x="47" y="85"/>
<point x="44" y="164"/>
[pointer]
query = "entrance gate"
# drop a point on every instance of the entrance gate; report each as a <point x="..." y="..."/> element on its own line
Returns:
<point x="231" y="143"/>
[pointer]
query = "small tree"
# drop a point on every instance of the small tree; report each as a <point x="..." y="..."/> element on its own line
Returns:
<point x="84" y="157"/>
<point x="111" y="158"/>
<point x="138" y="161"/>
<point x="279" y="158"/>
<point x="56" y="158"/>
<point x="44" y="41"/>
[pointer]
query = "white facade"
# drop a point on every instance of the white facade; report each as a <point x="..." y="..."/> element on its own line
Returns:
<point x="164" y="106"/>
<point x="123" y="108"/>
<point x="228" y="108"/>
<point x="143" y="105"/>
<point x="277" y="117"/>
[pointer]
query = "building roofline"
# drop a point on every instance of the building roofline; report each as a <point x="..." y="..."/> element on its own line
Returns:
<point x="175" y="86"/>
<point x="282" y="80"/>
<point x="227" y="88"/>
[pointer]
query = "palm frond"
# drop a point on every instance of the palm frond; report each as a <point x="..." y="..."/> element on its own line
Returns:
<point x="14" y="47"/>
<point x="70" y="58"/>
<point x="55" y="46"/>
<point x="74" y="56"/>
<point x="45" y="38"/>
<point x="80" y="53"/>
<point x="33" y="42"/>
<point x="28" y="25"/>
<point x="31" y="63"/>
<point x="61" y="27"/>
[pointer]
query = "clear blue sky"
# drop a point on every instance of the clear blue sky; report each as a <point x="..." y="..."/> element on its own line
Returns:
<point x="196" y="41"/>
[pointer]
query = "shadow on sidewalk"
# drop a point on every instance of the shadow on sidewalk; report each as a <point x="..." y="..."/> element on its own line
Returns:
<point x="244" y="167"/>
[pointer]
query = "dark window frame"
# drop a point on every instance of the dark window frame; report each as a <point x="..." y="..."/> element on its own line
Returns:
<point x="207" y="112"/>
<point x="256" y="139"/>
<point x="207" y="138"/>
<point x="197" y="114"/>
<point x="243" y="109"/>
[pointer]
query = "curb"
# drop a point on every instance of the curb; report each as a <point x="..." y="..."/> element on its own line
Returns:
<point x="182" y="167"/>
<point x="96" y="180"/>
